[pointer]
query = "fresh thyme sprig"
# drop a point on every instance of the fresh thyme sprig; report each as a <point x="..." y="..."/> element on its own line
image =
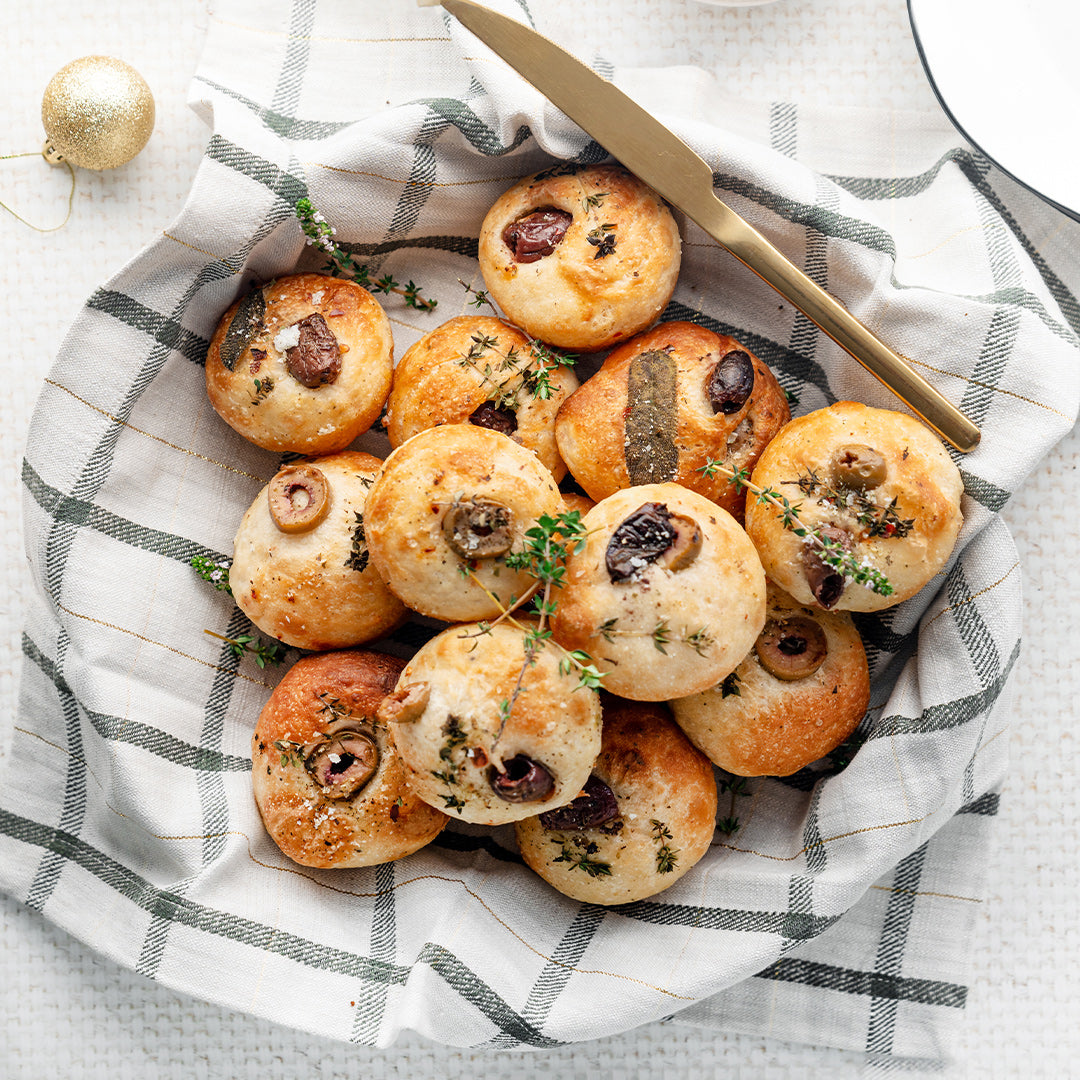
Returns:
<point x="320" y="233"/>
<point x="215" y="571"/>
<point x="543" y="556"/>
<point x="736" y="786"/>
<point x="831" y="552"/>
<point x="877" y="520"/>
<point x="512" y="371"/>
<point x="263" y="652"/>
<point x="581" y="859"/>
<point x="700" y="640"/>
<point x="666" y="855"/>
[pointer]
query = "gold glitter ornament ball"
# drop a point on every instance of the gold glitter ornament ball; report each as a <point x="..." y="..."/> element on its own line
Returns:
<point x="98" y="112"/>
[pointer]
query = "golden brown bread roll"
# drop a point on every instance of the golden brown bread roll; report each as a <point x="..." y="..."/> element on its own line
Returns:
<point x="479" y="370"/>
<point x="667" y="595"/>
<point x="800" y="692"/>
<point x="645" y="817"/>
<point x="301" y="364"/>
<point x="328" y="782"/>
<point x="487" y="733"/>
<point x="300" y="568"/>
<point x="446" y="509"/>
<point x="581" y="257"/>
<point x="663" y="405"/>
<point x="881" y="485"/>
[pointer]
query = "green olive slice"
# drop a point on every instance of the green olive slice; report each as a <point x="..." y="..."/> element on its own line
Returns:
<point x="858" y="467"/>
<point x="479" y="528"/>
<point x="791" y="649"/>
<point x="299" y="497"/>
<point x="686" y="544"/>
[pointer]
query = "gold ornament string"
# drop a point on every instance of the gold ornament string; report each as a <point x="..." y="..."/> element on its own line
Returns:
<point x="71" y="193"/>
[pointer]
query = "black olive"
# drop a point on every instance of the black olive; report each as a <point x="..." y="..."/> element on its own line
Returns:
<point x="496" y="417"/>
<point x="640" y="539"/>
<point x="731" y="383"/>
<point x="595" y="806"/>
<point x="825" y="581"/>
<point x="523" y="780"/>
<point x="537" y="234"/>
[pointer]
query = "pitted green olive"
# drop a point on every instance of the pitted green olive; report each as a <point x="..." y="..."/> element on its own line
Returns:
<point x="299" y="497"/>
<point x="792" y="648"/>
<point x="859" y="467"/>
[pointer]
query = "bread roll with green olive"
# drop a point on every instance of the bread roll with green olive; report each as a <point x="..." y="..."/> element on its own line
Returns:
<point x="799" y="693"/>
<point x="489" y="732"/>
<point x="302" y="363"/>
<point x="300" y="569"/>
<point x="446" y="509"/>
<point x="882" y="489"/>
<point x="667" y="595"/>
<point x="328" y="782"/>
<point x="645" y="816"/>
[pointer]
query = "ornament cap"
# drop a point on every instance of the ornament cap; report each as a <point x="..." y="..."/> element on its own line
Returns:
<point x="51" y="154"/>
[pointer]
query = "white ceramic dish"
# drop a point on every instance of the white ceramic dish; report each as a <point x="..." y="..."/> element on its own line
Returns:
<point x="1006" y="73"/>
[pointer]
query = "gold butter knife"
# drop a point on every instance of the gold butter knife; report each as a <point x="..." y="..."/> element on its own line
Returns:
<point x="669" y="166"/>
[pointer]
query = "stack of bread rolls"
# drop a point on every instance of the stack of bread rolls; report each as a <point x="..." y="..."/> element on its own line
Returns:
<point x="690" y="623"/>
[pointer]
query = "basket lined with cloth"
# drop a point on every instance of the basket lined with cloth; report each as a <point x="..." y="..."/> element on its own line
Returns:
<point x="838" y="912"/>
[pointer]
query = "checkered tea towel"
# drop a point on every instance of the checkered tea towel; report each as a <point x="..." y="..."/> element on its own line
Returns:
<point x="838" y="912"/>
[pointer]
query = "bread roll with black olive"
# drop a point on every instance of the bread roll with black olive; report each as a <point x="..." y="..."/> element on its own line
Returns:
<point x="581" y="257"/>
<point x="667" y="596"/>
<point x="877" y="484"/>
<point x="479" y="370"/>
<point x="301" y="364"/>
<point x="328" y="782"/>
<point x="489" y="733"/>
<point x="300" y="570"/>
<point x="646" y="814"/>
<point x="446" y="509"/>
<point x="801" y="691"/>
<point x="664" y="405"/>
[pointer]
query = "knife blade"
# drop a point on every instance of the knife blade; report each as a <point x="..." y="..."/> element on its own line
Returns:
<point x="663" y="161"/>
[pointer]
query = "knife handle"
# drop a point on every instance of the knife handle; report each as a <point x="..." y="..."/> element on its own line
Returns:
<point x="754" y="251"/>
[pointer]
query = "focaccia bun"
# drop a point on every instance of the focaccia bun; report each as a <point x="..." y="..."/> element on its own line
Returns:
<point x="490" y="734"/>
<point x="646" y="816"/>
<point x="665" y="405"/>
<point x="479" y="370"/>
<point x="328" y="782"/>
<point x="446" y="509"/>
<point x="801" y="691"/>
<point x="301" y="364"/>
<point x="667" y="595"/>
<point x="581" y="257"/>
<point x="301" y="571"/>
<point x="879" y="483"/>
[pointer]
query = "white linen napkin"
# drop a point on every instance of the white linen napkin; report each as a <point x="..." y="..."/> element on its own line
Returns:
<point x="840" y="912"/>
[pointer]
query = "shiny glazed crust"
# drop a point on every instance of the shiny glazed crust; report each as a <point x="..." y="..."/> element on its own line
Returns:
<point x="445" y="716"/>
<point x="315" y="589"/>
<point x="591" y="427"/>
<point x="384" y="820"/>
<point x="921" y="477"/>
<point x="572" y="298"/>
<point x="423" y="480"/>
<point x="260" y="399"/>
<point x="720" y="596"/>
<point x="773" y="727"/>
<point x="661" y="785"/>
<point x="457" y="367"/>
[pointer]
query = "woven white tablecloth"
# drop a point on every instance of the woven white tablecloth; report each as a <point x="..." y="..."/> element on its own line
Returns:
<point x="766" y="1005"/>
